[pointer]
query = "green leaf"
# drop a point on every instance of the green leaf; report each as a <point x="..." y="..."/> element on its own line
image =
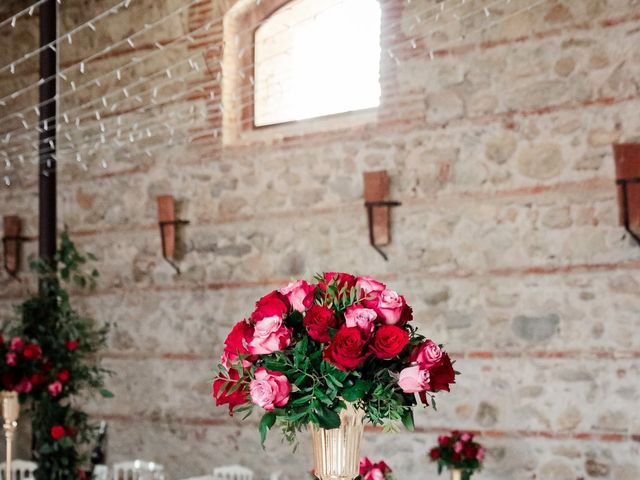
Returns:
<point x="106" y="393"/>
<point x="407" y="420"/>
<point x="358" y="391"/>
<point x="268" y="420"/>
<point x="327" y="418"/>
<point x="66" y="442"/>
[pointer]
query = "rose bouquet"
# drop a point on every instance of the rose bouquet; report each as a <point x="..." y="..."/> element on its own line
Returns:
<point x="458" y="451"/>
<point x="374" y="471"/>
<point x="308" y="349"/>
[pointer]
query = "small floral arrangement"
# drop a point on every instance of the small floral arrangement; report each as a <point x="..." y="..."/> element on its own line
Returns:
<point x="26" y="370"/>
<point x="458" y="451"/>
<point x="308" y="348"/>
<point x="49" y="355"/>
<point x="374" y="471"/>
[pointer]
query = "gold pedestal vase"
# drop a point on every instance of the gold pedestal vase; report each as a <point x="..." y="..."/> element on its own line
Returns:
<point x="10" y="413"/>
<point x="336" y="452"/>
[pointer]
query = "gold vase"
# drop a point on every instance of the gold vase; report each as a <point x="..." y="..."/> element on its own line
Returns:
<point x="336" y="452"/>
<point x="456" y="473"/>
<point x="10" y="413"/>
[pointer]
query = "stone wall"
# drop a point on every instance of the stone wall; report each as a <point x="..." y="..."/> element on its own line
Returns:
<point x="507" y="243"/>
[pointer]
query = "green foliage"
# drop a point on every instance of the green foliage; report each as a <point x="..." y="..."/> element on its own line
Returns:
<point x="49" y="320"/>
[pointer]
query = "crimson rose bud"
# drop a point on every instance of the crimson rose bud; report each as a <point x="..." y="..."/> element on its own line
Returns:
<point x="434" y="454"/>
<point x="72" y="344"/>
<point x="57" y="432"/>
<point x="469" y="451"/>
<point x="63" y="375"/>
<point x="389" y="341"/>
<point x="318" y="320"/>
<point x="37" y="379"/>
<point x="441" y="375"/>
<point x="32" y="352"/>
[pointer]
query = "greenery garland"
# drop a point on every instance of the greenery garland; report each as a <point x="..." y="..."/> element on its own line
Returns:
<point x="50" y="354"/>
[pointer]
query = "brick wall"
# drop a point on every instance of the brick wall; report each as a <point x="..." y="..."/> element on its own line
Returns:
<point x="507" y="242"/>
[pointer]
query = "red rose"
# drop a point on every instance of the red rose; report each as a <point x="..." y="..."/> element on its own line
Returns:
<point x="236" y="343"/>
<point x="443" y="440"/>
<point x="406" y="315"/>
<point x="442" y="375"/>
<point x="32" y="352"/>
<point x="37" y="379"/>
<point x="318" y="320"/>
<point x="57" y="432"/>
<point x="469" y="451"/>
<point x="347" y="349"/>
<point x="63" y="375"/>
<point x="340" y="279"/>
<point x="72" y="344"/>
<point x="434" y="454"/>
<point x="272" y="304"/>
<point x="456" y="457"/>
<point x="389" y="341"/>
<point x="238" y="397"/>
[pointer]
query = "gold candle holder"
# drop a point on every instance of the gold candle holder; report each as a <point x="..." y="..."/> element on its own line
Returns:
<point x="10" y="413"/>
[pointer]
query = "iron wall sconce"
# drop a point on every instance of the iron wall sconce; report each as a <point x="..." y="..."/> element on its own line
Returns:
<point x="11" y="242"/>
<point x="376" y="193"/>
<point x="627" y="158"/>
<point x="168" y="228"/>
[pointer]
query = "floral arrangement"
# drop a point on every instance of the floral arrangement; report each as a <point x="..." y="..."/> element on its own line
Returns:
<point x="458" y="451"/>
<point x="49" y="358"/>
<point x="308" y="348"/>
<point x="374" y="471"/>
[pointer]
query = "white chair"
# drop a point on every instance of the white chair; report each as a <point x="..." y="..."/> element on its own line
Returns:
<point x="138" y="470"/>
<point x="20" y="470"/>
<point x="232" y="472"/>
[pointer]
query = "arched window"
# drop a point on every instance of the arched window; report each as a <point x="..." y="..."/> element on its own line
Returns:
<point x="316" y="58"/>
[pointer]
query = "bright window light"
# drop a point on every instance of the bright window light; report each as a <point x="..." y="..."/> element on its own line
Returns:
<point x="316" y="58"/>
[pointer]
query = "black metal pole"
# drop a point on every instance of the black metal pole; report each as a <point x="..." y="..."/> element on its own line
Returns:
<point x="47" y="168"/>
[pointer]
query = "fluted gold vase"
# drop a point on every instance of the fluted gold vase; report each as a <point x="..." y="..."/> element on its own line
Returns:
<point x="10" y="413"/>
<point x="336" y="452"/>
<point x="456" y="473"/>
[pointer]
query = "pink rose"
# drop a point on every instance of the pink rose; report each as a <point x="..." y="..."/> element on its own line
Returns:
<point x="12" y="359"/>
<point x="413" y="379"/>
<point x="269" y="336"/>
<point x="361" y="317"/>
<point x="55" y="388"/>
<point x="299" y="294"/>
<point x="465" y="437"/>
<point x="269" y="389"/>
<point x="457" y="447"/>
<point x="365" y="465"/>
<point x="389" y="306"/>
<point x="368" y="285"/>
<point x="480" y="454"/>
<point x="374" y="474"/>
<point x="17" y="344"/>
<point x="427" y="354"/>
<point x="24" y="386"/>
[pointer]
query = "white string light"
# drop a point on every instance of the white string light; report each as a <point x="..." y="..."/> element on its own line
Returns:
<point x="88" y="24"/>
<point x="107" y="49"/>
<point x="29" y="10"/>
<point x="531" y="6"/>
<point x="516" y="12"/>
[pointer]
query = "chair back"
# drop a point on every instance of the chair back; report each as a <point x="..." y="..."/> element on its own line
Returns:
<point x="232" y="472"/>
<point x="138" y="470"/>
<point x="20" y="470"/>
